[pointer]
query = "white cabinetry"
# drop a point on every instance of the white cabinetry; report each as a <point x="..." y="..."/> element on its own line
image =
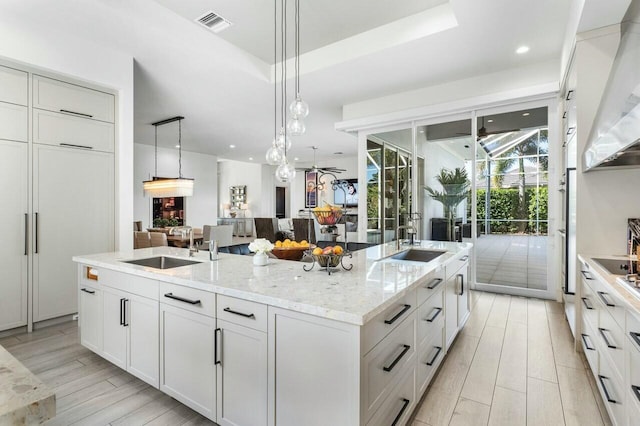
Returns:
<point x="92" y="318"/>
<point x="456" y="297"/>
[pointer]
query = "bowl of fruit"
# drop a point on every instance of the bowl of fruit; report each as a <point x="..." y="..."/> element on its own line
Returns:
<point x="328" y="256"/>
<point x="327" y="214"/>
<point x="290" y="250"/>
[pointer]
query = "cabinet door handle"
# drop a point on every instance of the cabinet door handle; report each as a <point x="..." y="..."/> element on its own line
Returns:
<point x="405" y="404"/>
<point x="37" y="222"/>
<point x="635" y="336"/>
<point x="182" y="299"/>
<point x="435" y="315"/>
<point x="587" y="305"/>
<point x="604" y="299"/>
<point x="586" y="344"/>
<point x="606" y="340"/>
<point x="433" y="359"/>
<point x="242" y="314"/>
<point x="586" y="277"/>
<point x="636" y="391"/>
<point x="398" y="315"/>
<point x="216" y="359"/>
<point x="70" y="145"/>
<point x="604" y="388"/>
<point x="76" y="113"/>
<point x="122" y="311"/>
<point x="461" y="284"/>
<point x="464" y="258"/>
<point x="434" y="283"/>
<point x="26" y="234"/>
<point x="88" y="291"/>
<point x="398" y="358"/>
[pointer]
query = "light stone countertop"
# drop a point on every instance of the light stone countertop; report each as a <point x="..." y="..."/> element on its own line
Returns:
<point x="354" y="296"/>
<point x="615" y="281"/>
<point x="24" y="399"/>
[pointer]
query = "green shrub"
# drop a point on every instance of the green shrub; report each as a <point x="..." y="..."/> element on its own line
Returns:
<point x="504" y="206"/>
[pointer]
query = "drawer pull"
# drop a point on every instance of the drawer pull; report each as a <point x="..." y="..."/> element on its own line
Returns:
<point x="586" y="344"/>
<point x="464" y="258"/>
<point x="398" y="315"/>
<point x="434" y="283"/>
<point x="122" y="311"/>
<point x="605" y="300"/>
<point x="434" y="316"/>
<point x="182" y="299"/>
<point x="606" y="340"/>
<point x="76" y="113"/>
<point x="398" y="358"/>
<point x="635" y="336"/>
<point x="432" y="360"/>
<point x="461" y="276"/>
<point x="587" y="277"/>
<point x="636" y="391"/>
<point x="217" y="332"/>
<point x="405" y="404"/>
<point x="242" y="314"/>
<point x="606" y="391"/>
<point x="70" y="145"/>
<point x="88" y="291"/>
<point x="587" y="305"/>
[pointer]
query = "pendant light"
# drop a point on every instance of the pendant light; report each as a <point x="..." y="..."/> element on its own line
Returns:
<point x="162" y="187"/>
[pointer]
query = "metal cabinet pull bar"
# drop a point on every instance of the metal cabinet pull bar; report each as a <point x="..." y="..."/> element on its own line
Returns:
<point x="37" y="221"/>
<point x="606" y="340"/>
<point x="242" y="314"/>
<point x="636" y="391"/>
<point x="588" y="277"/>
<point x="88" y="291"/>
<point x="635" y="336"/>
<point x="464" y="258"/>
<point x="405" y="404"/>
<point x="432" y="360"/>
<point x="26" y="233"/>
<point x="121" y="311"/>
<point x="604" y="388"/>
<point x="398" y="315"/>
<point x="586" y="344"/>
<point x="398" y="358"/>
<point x="70" y="145"/>
<point x="587" y="305"/>
<point x="216" y="360"/>
<point x="604" y="299"/>
<point x="434" y="316"/>
<point x="461" y="284"/>
<point x="182" y="299"/>
<point x="124" y="313"/>
<point x="76" y="113"/>
<point x="435" y="283"/>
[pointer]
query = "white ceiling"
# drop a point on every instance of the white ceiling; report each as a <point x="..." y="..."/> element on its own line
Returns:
<point x="223" y="88"/>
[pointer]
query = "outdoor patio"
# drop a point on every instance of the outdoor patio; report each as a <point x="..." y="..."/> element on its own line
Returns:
<point x="512" y="260"/>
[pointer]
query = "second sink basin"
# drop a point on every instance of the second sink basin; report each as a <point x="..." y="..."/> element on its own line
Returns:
<point x="418" y="255"/>
<point x="162" y="262"/>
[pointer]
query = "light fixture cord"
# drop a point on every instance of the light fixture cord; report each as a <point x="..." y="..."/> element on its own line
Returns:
<point x="156" y="151"/>
<point x="275" y="70"/>
<point x="180" y="149"/>
<point x="297" y="48"/>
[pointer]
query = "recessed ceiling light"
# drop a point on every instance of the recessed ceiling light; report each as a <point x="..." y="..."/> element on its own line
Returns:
<point x="296" y="159"/>
<point x="177" y="146"/>
<point x="489" y="121"/>
<point x="522" y="50"/>
<point x="250" y="158"/>
<point x="232" y="146"/>
<point x="421" y="131"/>
<point x="525" y="114"/>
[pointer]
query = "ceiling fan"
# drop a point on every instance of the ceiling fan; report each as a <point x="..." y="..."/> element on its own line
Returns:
<point x="315" y="168"/>
<point x="483" y="133"/>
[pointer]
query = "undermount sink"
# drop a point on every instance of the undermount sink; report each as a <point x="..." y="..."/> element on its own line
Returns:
<point x="418" y="255"/>
<point x="162" y="262"/>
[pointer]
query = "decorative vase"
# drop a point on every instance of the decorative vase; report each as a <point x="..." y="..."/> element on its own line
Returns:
<point x="260" y="259"/>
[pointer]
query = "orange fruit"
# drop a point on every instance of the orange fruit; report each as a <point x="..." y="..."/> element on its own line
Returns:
<point x="338" y="250"/>
<point x="317" y="251"/>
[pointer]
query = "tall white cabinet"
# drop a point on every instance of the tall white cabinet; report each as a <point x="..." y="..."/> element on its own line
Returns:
<point x="57" y="143"/>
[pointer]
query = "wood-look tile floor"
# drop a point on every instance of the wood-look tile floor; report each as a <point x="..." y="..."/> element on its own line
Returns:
<point x="513" y="364"/>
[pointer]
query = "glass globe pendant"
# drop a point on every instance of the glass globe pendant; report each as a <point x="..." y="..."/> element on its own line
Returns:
<point x="299" y="108"/>
<point x="283" y="141"/>
<point x="285" y="172"/>
<point x="274" y="155"/>
<point x="296" y="126"/>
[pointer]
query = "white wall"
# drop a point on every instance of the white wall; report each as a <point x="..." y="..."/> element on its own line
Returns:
<point x="201" y="208"/>
<point x="234" y="173"/>
<point x="81" y="59"/>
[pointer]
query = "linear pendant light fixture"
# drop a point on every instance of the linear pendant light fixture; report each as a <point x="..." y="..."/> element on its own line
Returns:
<point x="161" y="187"/>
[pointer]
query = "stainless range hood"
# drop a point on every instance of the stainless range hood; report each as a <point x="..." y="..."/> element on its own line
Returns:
<point x="615" y="136"/>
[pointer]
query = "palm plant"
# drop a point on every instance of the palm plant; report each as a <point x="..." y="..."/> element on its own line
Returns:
<point x="455" y="186"/>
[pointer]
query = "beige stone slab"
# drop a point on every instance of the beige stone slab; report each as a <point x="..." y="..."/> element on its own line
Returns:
<point x="540" y="359"/>
<point x="453" y="371"/>
<point x="563" y="345"/>
<point x="518" y="310"/>
<point x="156" y="407"/>
<point x="478" y="317"/>
<point x="512" y="371"/>
<point x="578" y="402"/>
<point x="120" y="408"/>
<point x="181" y="414"/>
<point x="499" y="311"/>
<point x="481" y="378"/>
<point x="84" y="394"/>
<point x="509" y="408"/>
<point x="84" y="381"/>
<point x="544" y="406"/>
<point x="470" y="413"/>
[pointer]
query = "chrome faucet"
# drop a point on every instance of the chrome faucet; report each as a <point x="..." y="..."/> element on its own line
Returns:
<point x="409" y="228"/>
<point x="181" y="230"/>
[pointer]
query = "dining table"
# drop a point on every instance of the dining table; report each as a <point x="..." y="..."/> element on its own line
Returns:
<point x="183" y="240"/>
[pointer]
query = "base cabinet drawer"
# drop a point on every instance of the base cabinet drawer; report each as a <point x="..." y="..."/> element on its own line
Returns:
<point x="397" y="408"/>
<point x="590" y="305"/>
<point x="429" y="317"/>
<point x="191" y="299"/>
<point x="612" y="391"/>
<point x="430" y="356"/>
<point x="589" y="345"/>
<point x="388" y="320"/>
<point x="612" y="342"/>
<point x="430" y="285"/>
<point x="242" y="312"/>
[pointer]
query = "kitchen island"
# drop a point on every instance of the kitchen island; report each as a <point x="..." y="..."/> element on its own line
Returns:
<point x="277" y="345"/>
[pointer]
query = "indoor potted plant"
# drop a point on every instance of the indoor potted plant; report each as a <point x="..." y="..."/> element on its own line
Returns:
<point x="260" y="246"/>
<point x="455" y="186"/>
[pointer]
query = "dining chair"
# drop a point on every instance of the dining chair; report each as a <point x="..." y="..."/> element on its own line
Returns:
<point x="158" y="239"/>
<point x="223" y="234"/>
<point x="304" y="229"/>
<point x="266" y="228"/>
<point x="137" y="225"/>
<point x="141" y="239"/>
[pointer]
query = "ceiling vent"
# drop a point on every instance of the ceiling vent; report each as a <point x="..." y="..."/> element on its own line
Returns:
<point x="213" y="21"/>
